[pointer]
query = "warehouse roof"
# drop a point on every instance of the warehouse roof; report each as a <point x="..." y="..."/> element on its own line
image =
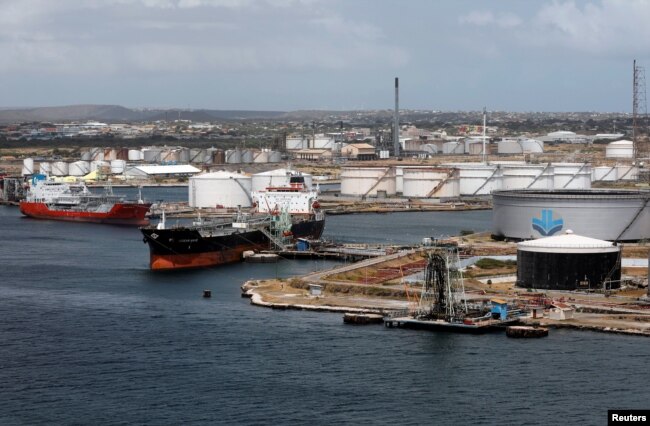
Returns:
<point x="168" y="169"/>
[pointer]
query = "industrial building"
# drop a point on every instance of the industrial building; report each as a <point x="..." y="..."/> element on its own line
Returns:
<point x="613" y="215"/>
<point x="359" y="151"/>
<point x="568" y="262"/>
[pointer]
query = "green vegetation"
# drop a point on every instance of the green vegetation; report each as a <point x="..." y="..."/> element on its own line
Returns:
<point x="488" y="263"/>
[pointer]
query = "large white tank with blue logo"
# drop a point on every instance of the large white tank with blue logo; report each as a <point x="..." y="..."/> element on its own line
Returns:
<point x="612" y="215"/>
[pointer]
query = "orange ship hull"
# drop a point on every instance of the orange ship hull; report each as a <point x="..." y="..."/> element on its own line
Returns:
<point x="119" y="214"/>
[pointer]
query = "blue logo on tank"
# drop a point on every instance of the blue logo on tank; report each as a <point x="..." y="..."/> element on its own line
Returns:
<point x="547" y="225"/>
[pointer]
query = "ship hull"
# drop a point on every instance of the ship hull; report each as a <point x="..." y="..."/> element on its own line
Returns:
<point x="184" y="248"/>
<point x="120" y="214"/>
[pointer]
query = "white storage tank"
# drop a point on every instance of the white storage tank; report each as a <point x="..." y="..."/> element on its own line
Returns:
<point x="620" y="149"/>
<point x="368" y="181"/>
<point x="450" y="148"/>
<point x="99" y="165"/>
<point x="183" y="155"/>
<point x="431" y="182"/>
<point x="532" y="146"/>
<point x="247" y="156"/>
<point x="233" y="156"/>
<point x="509" y="147"/>
<point x="275" y="157"/>
<point x="604" y="174"/>
<point x="79" y="168"/>
<point x="478" y="178"/>
<point x="261" y="157"/>
<point x="627" y="172"/>
<point x="197" y="155"/>
<point x="28" y="167"/>
<point x="571" y="176"/>
<point x="323" y="142"/>
<point x="60" y="168"/>
<point x="297" y="143"/>
<point x="429" y="148"/>
<point x="527" y="177"/>
<point x="86" y="155"/>
<point x="151" y="154"/>
<point x="399" y="179"/>
<point x="169" y="156"/>
<point x="134" y="155"/>
<point x="96" y="154"/>
<point x="45" y="168"/>
<point x="279" y="178"/>
<point x="220" y="189"/>
<point x="476" y="148"/>
<point x="118" y="166"/>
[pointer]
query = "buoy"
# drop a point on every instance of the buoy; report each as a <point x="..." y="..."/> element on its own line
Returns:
<point x="207" y="293"/>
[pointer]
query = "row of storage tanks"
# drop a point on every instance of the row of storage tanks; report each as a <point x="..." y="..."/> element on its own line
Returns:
<point x="229" y="189"/>
<point x="475" y="147"/>
<point x="180" y="155"/>
<point x="474" y="179"/>
<point x="76" y="168"/>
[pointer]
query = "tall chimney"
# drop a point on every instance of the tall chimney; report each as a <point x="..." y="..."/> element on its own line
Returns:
<point x="396" y="120"/>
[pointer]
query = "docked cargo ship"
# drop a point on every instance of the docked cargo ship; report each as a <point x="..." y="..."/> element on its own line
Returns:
<point x="74" y="202"/>
<point x="279" y="216"/>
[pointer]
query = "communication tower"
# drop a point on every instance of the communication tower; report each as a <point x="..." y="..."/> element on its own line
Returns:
<point x="639" y="111"/>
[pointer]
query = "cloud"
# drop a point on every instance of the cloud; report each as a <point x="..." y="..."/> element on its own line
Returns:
<point x="487" y="18"/>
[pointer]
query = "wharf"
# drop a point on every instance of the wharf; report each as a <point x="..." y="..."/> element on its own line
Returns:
<point x="478" y="327"/>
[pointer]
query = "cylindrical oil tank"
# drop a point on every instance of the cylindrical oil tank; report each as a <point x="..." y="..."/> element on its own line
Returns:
<point x="278" y="178"/>
<point x="613" y="215"/>
<point x="476" y="148"/>
<point x="79" y="168"/>
<point x="531" y="146"/>
<point x="110" y="154"/>
<point x="261" y="157"/>
<point x="99" y="165"/>
<point x="453" y="148"/>
<point x="96" y="154"/>
<point x="45" y="168"/>
<point x="123" y="154"/>
<point x="431" y="182"/>
<point x="218" y="157"/>
<point x="627" y="172"/>
<point x="477" y="178"/>
<point x="135" y="155"/>
<point x="620" y="149"/>
<point x="471" y="141"/>
<point x="430" y="148"/>
<point x="196" y="155"/>
<point x="275" y="157"/>
<point x="60" y="168"/>
<point x="233" y="156"/>
<point x="184" y="155"/>
<point x="323" y="142"/>
<point x="571" y="176"/>
<point x="247" y="156"/>
<point x="367" y="181"/>
<point x="151" y="154"/>
<point x="169" y="156"/>
<point x="296" y="143"/>
<point x="509" y="147"/>
<point x="118" y="166"/>
<point x="86" y="155"/>
<point x="399" y="179"/>
<point x="28" y="167"/>
<point x="220" y="189"/>
<point x="568" y="262"/>
<point x="539" y="176"/>
<point x="604" y="174"/>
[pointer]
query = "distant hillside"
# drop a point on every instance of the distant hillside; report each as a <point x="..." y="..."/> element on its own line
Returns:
<point x="116" y="113"/>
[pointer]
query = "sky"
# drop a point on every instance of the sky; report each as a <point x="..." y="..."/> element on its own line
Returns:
<point x="449" y="55"/>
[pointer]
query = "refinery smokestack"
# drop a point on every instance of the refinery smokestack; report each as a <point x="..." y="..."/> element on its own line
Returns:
<point x="396" y="120"/>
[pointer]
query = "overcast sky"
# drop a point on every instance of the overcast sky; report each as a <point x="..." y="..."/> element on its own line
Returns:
<point x="323" y="54"/>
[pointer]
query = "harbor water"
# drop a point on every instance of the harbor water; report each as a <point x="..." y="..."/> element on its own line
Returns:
<point x="91" y="336"/>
